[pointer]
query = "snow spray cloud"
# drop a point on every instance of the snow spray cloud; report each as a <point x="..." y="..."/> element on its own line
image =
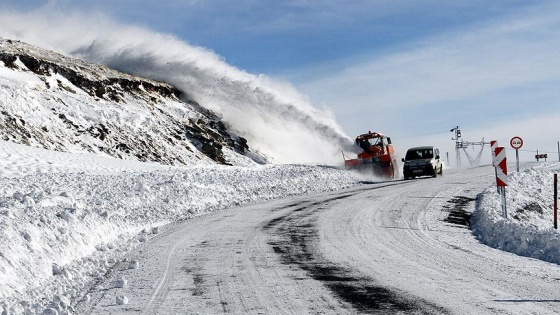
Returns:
<point x="278" y="121"/>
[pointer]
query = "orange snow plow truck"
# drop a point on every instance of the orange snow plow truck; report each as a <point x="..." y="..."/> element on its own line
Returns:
<point x="377" y="156"/>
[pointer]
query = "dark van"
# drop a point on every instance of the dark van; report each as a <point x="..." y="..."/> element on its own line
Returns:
<point x="422" y="161"/>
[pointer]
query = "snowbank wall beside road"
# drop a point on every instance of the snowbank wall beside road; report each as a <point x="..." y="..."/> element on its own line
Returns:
<point x="69" y="224"/>
<point x="528" y="230"/>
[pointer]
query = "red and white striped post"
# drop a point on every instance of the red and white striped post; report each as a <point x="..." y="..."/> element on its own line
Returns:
<point x="501" y="177"/>
<point x="493" y="146"/>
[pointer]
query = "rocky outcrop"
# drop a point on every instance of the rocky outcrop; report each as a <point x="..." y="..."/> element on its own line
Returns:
<point x="86" y="106"/>
<point x="97" y="80"/>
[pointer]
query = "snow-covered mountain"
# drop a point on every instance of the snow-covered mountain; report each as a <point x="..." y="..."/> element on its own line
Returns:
<point x="157" y="121"/>
<point x="60" y="103"/>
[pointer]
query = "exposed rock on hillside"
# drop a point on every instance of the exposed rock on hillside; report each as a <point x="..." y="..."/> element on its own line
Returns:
<point x="56" y="102"/>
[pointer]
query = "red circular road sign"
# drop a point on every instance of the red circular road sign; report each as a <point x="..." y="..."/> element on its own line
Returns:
<point x="516" y="142"/>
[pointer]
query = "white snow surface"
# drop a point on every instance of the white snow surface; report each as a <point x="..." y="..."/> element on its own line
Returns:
<point x="529" y="227"/>
<point x="66" y="218"/>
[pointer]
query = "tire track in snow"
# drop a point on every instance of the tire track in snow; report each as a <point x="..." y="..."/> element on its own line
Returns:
<point x="162" y="288"/>
<point x="296" y="236"/>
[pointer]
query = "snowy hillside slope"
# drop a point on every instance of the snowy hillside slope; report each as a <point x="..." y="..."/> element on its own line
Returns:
<point x="274" y="117"/>
<point x="60" y="103"/>
<point x="277" y="120"/>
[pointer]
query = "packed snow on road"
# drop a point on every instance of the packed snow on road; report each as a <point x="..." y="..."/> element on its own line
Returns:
<point x="67" y="219"/>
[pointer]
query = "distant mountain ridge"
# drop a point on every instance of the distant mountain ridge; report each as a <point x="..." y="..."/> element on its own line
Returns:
<point x="61" y="103"/>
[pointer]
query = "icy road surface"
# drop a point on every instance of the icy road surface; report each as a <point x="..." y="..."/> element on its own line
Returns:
<point x="391" y="247"/>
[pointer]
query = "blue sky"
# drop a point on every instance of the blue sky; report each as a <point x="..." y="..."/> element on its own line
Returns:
<point x="411" y="69"/>
<point x="281" y="37"/>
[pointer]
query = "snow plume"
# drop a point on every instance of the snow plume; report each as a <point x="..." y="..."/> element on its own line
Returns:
<point x="278" y="121"/>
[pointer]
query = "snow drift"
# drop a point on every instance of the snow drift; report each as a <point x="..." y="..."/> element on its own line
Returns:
<point x="528" y="229"/>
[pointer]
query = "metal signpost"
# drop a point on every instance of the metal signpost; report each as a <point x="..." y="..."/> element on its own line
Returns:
<point x="516" y="143"/>
<point x="501" y="178"/>
<point x="493" y="146"/>
<point x="556" y="201"/>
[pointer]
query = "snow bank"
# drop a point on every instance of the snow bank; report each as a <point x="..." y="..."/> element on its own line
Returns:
<point x="63" y="228"/>
<point x="529" y="229"/>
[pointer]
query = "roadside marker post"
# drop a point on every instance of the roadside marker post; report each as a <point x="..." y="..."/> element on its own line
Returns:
<point x="516" y="143"/>
<point x="493" y="146"/>
<point x="501" y="178"/>
<point x="556" y="201"/>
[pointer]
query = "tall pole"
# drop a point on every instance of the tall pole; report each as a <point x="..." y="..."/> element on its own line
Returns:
<point x="458" y="144"/>
<point x="504" y="202"/>
<point x="493" y="146"/>
<point x="558" y="143"/>
<point x="556" y="201"/>
<point x="517" y="159"/>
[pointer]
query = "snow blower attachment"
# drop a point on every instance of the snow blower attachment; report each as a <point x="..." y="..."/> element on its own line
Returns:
<point x="377" y="156"/>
